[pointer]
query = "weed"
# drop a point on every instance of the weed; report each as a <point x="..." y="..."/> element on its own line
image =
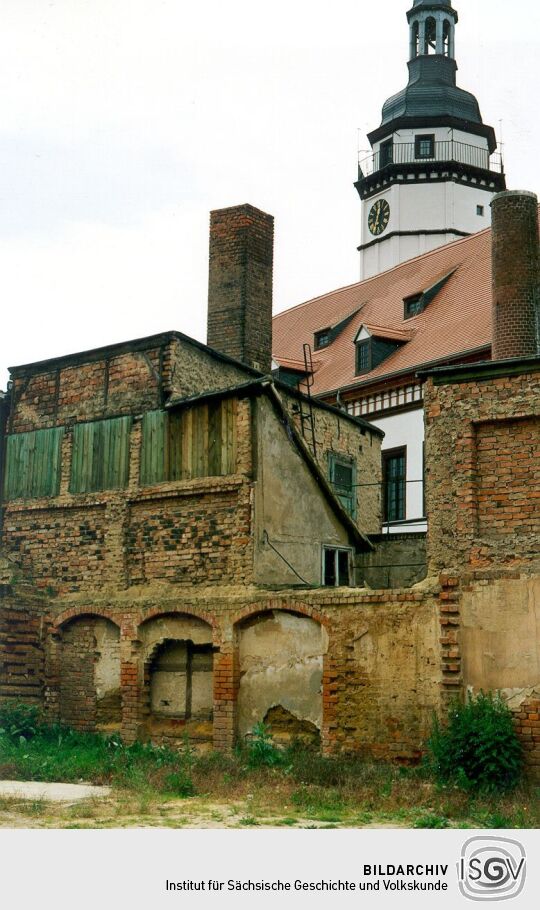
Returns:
<point x="431" y="821"/>
<point x="479" y="748"/>
<point x="261" y="750"/>
<point x="248" y="821"/>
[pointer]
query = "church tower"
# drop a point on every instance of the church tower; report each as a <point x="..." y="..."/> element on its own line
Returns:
<point x="433" y="172"/>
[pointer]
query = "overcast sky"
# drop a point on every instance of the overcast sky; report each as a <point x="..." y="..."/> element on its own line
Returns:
<point x="123" y="122"/>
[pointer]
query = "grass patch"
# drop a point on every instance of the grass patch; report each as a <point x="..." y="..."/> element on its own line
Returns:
<point x="242" y="790"/>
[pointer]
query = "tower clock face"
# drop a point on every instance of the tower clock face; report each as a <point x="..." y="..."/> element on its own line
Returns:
<point x="379" y="216"/>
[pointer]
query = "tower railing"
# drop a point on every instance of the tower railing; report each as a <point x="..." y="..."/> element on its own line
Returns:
<point x="445" y="150"/>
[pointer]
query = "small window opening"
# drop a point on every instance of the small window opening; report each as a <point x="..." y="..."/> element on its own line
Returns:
<point x="342" y="472"/>
<point x="322" y="339"/>
<point x="416" y="39"/>
<point x="413" y="305"/>
<point x="336" y="567"/>
<point x="431" y="36"/>
<point x="480" y="210"/>
<point x="446" y="38"/>
<point x="424" y="146"/>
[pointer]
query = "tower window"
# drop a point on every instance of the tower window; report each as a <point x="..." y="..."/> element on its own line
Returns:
<point x="480" y="210"/>
<point x="387" y="152"/>
<point x="424" y="146"/>
<point x="431" y="36"/>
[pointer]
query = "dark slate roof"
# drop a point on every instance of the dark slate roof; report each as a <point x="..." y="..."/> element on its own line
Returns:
<point x="432" y="92"/>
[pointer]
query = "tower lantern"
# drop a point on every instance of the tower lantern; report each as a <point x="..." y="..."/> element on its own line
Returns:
<point x="432" y="171"/>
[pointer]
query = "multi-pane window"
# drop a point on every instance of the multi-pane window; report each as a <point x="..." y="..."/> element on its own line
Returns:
<point x="413" y="305"/>
<point x="192" y="442"/>
<point x="424" y="146"/>
<point x="322" y="339"/>
<point x="33" y="464"/>
<point x="336" y="567"/>
<point x="342" y="473"/>
<point x="394" y="485"/>
<point x="363" y="356"/>
<point x="100" y="455"/>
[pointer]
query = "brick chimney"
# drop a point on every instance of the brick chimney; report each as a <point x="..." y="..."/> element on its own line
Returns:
<point x="516" y="275"/>
<point x="240" y="285"/>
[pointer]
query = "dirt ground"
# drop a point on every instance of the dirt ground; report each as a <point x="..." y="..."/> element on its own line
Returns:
<point x="127" y="811"/>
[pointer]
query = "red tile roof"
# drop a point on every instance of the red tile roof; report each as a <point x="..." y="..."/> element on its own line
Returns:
<point x="457" y="320"/>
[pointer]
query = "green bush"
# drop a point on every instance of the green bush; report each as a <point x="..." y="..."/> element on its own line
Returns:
<point x="478" y="747"/>
<point x="18" y="720"/>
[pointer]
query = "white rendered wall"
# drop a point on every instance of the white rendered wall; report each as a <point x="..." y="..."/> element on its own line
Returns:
<point x="422" y="207"/>
<point x="431" y="207"/>
<point x="407" y="429"/>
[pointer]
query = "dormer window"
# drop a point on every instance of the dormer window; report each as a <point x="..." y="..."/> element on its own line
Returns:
<point x="363" y="356"/>
<point x="322" y="339"/>
<point x="424" y="146"/>
<point x="417" y="303"/>
<point x="413" y="305"/>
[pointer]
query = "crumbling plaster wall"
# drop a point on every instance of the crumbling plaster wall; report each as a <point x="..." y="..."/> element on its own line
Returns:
<point x="289" y="507"/>
<point x="281" y="664"/>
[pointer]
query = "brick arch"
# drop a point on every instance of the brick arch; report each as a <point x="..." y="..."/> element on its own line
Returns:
<point x="156" y="612"/>
<point x="296" y="607"/>
<point x="79" y="612"/>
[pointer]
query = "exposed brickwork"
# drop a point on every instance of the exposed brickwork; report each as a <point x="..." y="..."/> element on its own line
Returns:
<point x="334" y="435"/>
<point x="77" y="695"/>
<point x="508" y="485"/>
<point x="191" y="540"/>
<point x="516" y="275"/>
<point x="240" y="285"/>
<point x="482" y="479"/>
<point x="527" y="722"/>
<point x="483" y="504"/>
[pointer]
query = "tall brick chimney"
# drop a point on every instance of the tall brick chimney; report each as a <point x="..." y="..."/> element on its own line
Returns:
<point x="516" y="275"/>
<point x="240" y="285"/>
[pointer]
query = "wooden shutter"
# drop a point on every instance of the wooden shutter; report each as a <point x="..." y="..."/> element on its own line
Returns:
<point x="100" y="455"/>
<point x="153" y="447"/>
<point x="33" y="464"/>
<point x="196" y="442"/>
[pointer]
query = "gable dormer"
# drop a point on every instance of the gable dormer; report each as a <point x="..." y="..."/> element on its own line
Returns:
<point x="373" y="344"/>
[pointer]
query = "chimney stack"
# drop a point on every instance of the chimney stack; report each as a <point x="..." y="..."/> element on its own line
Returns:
<point x="516" y="275"/>
<point x="240" y="285"/>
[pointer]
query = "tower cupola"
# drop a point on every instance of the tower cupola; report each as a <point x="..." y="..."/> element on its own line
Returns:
<point x="432" y="29"/>
<point x="432" y="172"/>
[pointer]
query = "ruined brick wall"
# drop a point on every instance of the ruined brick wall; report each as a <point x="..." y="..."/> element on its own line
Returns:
<point x="339" y="435"/>
<point x="23" y="631"/>
<point x="188" y="370"/>
<point x="483" y="505"/>
<point x="483" y="475"/>
<point x="368" y="683"/>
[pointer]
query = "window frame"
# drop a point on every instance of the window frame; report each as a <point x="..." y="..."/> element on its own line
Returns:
<point x="334" y="459"/>
<point x="322" y="333"/>
<point x="386" y="457"/>
<point x="386" y="153"/>
<point x="418" y="140"/>
<point x="327" y="548"/>
<point x="363" y="344"/>
<point x="411" y="301"/>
